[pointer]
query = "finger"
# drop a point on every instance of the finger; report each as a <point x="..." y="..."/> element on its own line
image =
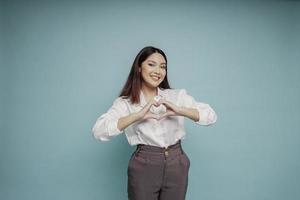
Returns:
<point x="166" y="114"/>
<point x="154" y="102"/>
<point x="167" y="103"/>
<point x="171" y="106"/>
<point x="156" y="117"/>
<point x="148" y="105"/>
<point x="161" y="101"/>
<point x="151" y="115"/>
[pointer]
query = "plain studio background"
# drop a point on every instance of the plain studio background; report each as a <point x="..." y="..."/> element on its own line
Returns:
<point x="63" y="63"/>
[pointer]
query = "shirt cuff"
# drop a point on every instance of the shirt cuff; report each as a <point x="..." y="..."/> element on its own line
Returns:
<point x="206" y="117"/>
<point x="113" y="128"/>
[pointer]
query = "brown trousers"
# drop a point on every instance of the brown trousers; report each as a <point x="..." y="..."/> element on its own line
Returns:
<point x="156" y="173"/>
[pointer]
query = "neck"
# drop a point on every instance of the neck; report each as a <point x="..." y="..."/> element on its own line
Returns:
<point x="149" y="91"/>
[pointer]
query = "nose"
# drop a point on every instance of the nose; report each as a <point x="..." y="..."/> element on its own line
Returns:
<point x="157" y="70"/>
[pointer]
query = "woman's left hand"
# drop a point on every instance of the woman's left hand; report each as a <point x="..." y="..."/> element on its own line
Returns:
<point x="172" y="109"/>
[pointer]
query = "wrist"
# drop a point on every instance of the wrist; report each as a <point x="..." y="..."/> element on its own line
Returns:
<point x="181" y="111"/>
<point x="136" y="116"/>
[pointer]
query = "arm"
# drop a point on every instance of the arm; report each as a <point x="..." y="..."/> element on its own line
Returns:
<point x="200" y="112"/>
<point x="127" y="121"/>
<point x="191" y="113"/>
<point x="138" y="116"/>
<point x="117" y="118"/>
<point x="106" y="126"/>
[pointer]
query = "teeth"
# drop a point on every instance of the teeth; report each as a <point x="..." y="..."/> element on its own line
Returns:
<point x="155" y="77"/>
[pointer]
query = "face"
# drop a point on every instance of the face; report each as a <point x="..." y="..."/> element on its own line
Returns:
<point x="153" y="70"/>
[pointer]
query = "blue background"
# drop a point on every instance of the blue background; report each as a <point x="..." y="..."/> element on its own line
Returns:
<point x="64" y="62"/>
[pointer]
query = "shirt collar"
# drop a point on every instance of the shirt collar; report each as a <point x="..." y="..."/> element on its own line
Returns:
<point x="143" y="102"/>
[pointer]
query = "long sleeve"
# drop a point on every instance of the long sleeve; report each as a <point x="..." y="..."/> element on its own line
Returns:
<point x="105" y="127"/>
<point x="207" y="115"/>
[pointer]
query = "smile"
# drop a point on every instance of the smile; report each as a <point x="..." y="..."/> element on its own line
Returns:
<point x="156" y="78"/>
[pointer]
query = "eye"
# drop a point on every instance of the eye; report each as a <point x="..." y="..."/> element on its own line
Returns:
<point x="164" y="67"/>
<point x="151" y="64"/>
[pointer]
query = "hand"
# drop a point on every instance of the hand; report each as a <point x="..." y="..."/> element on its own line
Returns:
<point x="145" y="113"/>
<point x="172" y="109"/>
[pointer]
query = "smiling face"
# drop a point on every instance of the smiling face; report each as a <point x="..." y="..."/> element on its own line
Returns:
<point x="153" y="70"/>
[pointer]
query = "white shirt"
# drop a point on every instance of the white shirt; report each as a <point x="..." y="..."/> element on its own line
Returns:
<point x="162" y="133"/>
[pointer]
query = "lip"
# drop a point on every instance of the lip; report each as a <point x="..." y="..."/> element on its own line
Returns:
<point x="156" y="77"/>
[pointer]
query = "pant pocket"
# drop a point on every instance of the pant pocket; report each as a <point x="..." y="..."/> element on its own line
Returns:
<point x="131" y="160"/>
<point x="185" y="158"/>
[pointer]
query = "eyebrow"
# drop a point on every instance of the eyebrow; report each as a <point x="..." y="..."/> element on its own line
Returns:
<point x="155" y="62"/>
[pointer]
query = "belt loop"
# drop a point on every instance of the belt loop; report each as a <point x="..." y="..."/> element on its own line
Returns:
<point x="181" y="150"/>
<point x="179" y="142"/>
<point x="138" y="148"/>
<point x="180" y="146"/>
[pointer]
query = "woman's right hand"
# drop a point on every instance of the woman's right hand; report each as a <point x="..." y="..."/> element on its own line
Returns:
<point x="145" y="113"/>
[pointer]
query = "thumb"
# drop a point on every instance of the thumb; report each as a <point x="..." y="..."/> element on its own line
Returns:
<point x="147" y="107"/>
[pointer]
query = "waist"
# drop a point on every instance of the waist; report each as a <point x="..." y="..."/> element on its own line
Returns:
<point x="177" y="145"/>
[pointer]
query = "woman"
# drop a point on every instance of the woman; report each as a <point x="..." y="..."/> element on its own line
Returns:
<point x="152" y="116"/>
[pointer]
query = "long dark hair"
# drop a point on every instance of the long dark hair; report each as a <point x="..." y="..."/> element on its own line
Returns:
<point x="133" y="84"/>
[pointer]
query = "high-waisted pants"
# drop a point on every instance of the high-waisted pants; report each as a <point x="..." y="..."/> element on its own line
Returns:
<point x="156" y="173"/>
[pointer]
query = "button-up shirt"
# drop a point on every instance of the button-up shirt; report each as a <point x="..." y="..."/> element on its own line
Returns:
<point x="163" y="132"/>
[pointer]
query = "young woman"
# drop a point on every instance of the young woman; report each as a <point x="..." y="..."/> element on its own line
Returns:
<point x="152" y="116"/>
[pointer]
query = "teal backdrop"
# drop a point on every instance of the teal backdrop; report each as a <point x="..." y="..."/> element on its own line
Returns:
<point x="64" y="62"/>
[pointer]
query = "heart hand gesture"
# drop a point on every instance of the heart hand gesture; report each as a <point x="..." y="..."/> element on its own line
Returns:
<point x="158" y="109"/>
<point x="145" y="113"/>
<point x="172" y="109"/>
